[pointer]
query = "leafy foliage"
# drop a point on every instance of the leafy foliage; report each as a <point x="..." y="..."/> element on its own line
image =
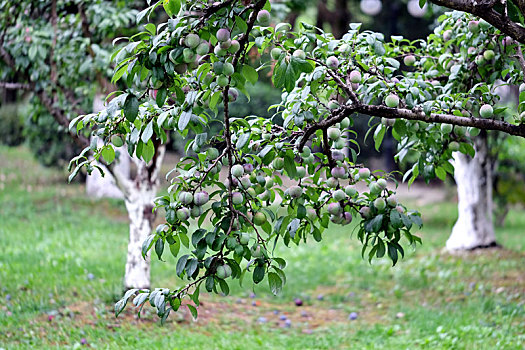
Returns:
<point x="288" y="176"/>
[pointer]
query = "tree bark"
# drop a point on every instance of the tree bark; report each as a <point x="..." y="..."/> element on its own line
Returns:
<point x="474" y="227"/>
<point x="139" y="203"/>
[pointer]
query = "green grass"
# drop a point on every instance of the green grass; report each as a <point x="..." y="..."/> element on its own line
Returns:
<point x="52" y="237"/>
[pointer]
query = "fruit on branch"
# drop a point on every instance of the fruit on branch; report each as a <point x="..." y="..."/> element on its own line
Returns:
<point x="224" y="271"/>
<point x="223" y="35"/>
<point x="219" y="51"/>
<point x="245" y="182"/>
<point x="192" y="40"/>
<point x="203" y="48"/>
<point x="350" y="191"/>
<point x="301" y="172"/>
<point x="447" y="35"/>
<point x="265" y="196"/>
<point x="259" y="218"/>
<point x="237" y="198"/>
<point x="235" y="46"/>
<point x="311" y="214"/>
<point x="391" y="201"/>
<point x="374" y="188"/>
<point x="233" y="94"/>
<point x="364" y="173"/>
<point x="355" y="77"/>
<point x="392" y="101"/>
<point x="345" y="123"/>
<point x="256" y="251"/>
<point x="185" y="198"/>
<point x="332" y="182"/>
<point x="306" y="152"/>
<point x="276" y="53"/>
<point x="196" y="212"/>
<point x="339" y="195"/>
<point x="181" y="68"/>
<point x="333" y="104"/>
<point x="473" y="26"/>
<point x="459" y="131"/>
<point x="183" y="214"/>
<point x="263" y="17"/>
<point x="382" y="183"/>
<point x="365" y="212"/>
<point x="248" y="168"/>
<point x="446" y="128"/>
<point x="278" y="163"/>
<point x="339" y="172"/>
<point x="237" y="170"/>
<point x="212" y="153"/>
<point x="388" y="121"/>
<point x="299" y="54"/>
<point x="244" y="238"/>
<point x="486" y="111"/>
<point x="222" y="80"/>
<point x="334" y="133"/>
<point x="189" y="55"/>
<point x="225" y="45"/>
<point x="227" y="69"/>
<point x="334" y="208"/>
<point x="201" y="198"/>
<point x="332" y="62"/>
<point x="472" y="131"/>
<point x="380" y="204"/>
<point x="295" y="191"/>
<point x="453" y="146"/>
<point x="488" y="55"/>
<point x="409" y="60"/>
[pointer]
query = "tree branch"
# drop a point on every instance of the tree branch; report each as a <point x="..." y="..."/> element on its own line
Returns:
<point x="485" y="10"/>
<point x="14" y="86"/>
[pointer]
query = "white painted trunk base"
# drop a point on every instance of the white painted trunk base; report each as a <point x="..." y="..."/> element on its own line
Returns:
<point x="474" y="227"/>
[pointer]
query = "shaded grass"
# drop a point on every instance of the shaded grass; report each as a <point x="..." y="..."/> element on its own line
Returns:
<point x="63" y="258"/>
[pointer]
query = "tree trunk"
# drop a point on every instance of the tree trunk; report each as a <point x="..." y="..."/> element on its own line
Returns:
<point x="139" y="203"/>
<point x="474" y="227"/>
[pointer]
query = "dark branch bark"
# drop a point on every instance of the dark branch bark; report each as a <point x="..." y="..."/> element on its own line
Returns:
<point x="485" y="10"/>
<point x="14" y="86"/>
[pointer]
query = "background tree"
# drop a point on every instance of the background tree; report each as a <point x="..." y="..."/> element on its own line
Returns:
<point x="59" y="51"/>
<point x="198" y="59"/>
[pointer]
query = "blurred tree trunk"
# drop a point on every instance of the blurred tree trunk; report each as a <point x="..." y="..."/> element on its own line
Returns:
<point x="474" y="227"/>
<point x="339" y="19"/>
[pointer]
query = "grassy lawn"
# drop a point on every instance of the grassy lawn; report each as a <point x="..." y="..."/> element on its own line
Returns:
<point x="62" y="260"/>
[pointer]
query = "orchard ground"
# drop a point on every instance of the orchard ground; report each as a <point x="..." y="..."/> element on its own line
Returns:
<point x="62" y="260"/>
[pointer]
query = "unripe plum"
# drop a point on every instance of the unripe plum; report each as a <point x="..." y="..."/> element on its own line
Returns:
<point x="181" y="68"/>
<point x="306" y="152"/>
<point x="222" y="80"/>
<point x="233" y="94"/>
<point x="237" y="198"/>
<point x="392" y="101"/>
<point x="183" y="214"/>
<point x="391" y="201"/>
<point x="278" y="163"/>
<point x="380" y="204"/>
<point x="189" y="55"/>
<point x="203" y="49"/>
<point x="365" y="212"/>
<point x="334" y="208"/>
<point x="299" y="54"/>
<point x="350" y="191"/>
<point x="301" y="171"/>
<point x="453" y="146"/>
<point x="263" y="17"/>
<point x="339" y="195"/>
<point x="223" y="35"/>
<point x="311" y="213"/>
<point x="409" y="60"/>
<point x="220" y="52"/>
<point x="345" y="123"/>
<point x="332" y="62"/>
<point x="224" y="271"/>
<point x="473" y="26"/>
<point x="339" y="172"/>
<point x="334" y="133"/>
<point x="117" y="141"/>
<point x="256" y="251"/>
<point x="259" y="218"/>
<point x="196" y="212"/>
<point x="338" y="155"/>
<point x="382" y="183"/>
<point x="228" y="69"/>
<point x="192" y="40"/>
<point x="355" y="76"/>
<point x="479" y="60"/>
<point x="347" y="218"/>
<point x="237" y="170"/>
<point x="486" y="111"/>
<point x="473" y="132"/>
<point x="364" y="173"/>
<point x="276" y="53"/>
<point x="225" y="45"/>
<point x="201" y="198"/>
<point x="332" y="182"/>
<point x="235" y="46"/>
<point x="295" y="191"/>
<point x="446" y="128"/>
<point x="447" y="35"/>
<point x="244" y="238"/>
<point x="374" y="188"/>
<point x="488" y="55"/>
<point x="185" y="198"/>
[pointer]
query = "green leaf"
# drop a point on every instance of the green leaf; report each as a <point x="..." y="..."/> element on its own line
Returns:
<point x="275" y="282"/>
<point x="184" y="119"/>
<point x="258" y="274"/>
<point x="159" y="248"/>
<point x="131" y="108"/>
<point x="224" y="287"/>
<point x="181" y="265"/>
<point x="150" y="27"/>
<point x="379" y="134"/>
<point x="250" y="73"/>
<point x="441" y="173"/>
<point x="148" y="151"/>
<point x="172" y="7"/>
<point x="161" y="97"/>
<point x="193" y="311"/>
<point x="119" y="73"/>
<point x="175" y="247"/>
<point x="108" y="153"/>
<point x="147" y="133"/>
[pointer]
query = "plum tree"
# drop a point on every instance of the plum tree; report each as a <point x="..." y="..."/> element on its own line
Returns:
<point x="436" y="90"/>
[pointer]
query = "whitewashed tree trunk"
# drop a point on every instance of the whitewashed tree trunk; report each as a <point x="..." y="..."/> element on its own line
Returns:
<point x="139" y="203"/>
<point x="138" y="194"/>
<point x="474" y="227"/>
